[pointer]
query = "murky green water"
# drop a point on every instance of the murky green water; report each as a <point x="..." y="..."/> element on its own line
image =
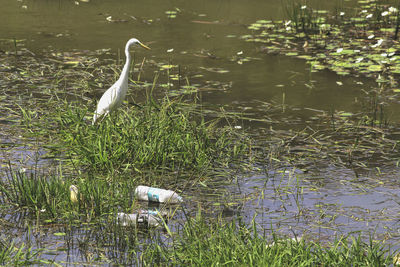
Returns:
<point x="205" y="35"/>
<point x="205" y="38"/>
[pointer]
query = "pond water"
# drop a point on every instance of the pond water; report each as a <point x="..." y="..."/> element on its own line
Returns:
<point x="204" y="40"/>
<point x="204" y="36"/>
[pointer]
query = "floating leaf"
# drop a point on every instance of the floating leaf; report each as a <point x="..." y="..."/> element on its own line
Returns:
<point x="166" y="67"/>
<point x="263" y="21"/>
<point x="374" y="68"/>
<point x="72" y="62"/>
<point x="59" y="234"/>
<point x="307" y="57"/>
<point x="345" y="114"/>
<point x="171" y="13"/>
<point x="387" y="29"/>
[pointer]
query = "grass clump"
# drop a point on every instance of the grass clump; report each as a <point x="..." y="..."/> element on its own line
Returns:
<point x="233" y="243"/>
<point x="11" y="255"/>
<point x="34" y="192"/>
<point x="304" y="19"/>
<point x="165" y="135"/>
<point x="48" y="196"/>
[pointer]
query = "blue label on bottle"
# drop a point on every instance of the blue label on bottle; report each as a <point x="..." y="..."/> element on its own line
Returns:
<point x="152" y="194"/>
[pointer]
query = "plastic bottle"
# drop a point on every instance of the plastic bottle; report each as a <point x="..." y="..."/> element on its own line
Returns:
<point x="147" y="193"/>
<point x="145" y="218"/>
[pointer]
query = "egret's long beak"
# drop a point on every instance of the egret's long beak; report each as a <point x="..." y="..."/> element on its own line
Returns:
<point x="144" y="46"/>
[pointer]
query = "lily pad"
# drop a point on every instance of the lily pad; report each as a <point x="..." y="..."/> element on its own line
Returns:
<point x="375" y="68"/>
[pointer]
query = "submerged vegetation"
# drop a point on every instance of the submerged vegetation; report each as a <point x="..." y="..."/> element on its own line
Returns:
<point x="357" y="141"/>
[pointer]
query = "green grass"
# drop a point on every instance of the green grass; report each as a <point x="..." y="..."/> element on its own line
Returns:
<point x="35" y="192"/>
<point x="158" y="144"/>
<point x="11" y="255"/>
<point x="204" y="241"/>
<point x="47" y="196"/>
<point x="164" y="135"/>
<point x="219" y="243"/>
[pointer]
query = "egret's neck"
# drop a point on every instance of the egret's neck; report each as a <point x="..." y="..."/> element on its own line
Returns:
<point x="125" y="71"/>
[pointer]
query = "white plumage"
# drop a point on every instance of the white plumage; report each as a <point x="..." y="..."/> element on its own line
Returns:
<point x="115" y="95"/>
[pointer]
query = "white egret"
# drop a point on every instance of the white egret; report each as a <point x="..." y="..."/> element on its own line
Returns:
<point x="113" y="97"/>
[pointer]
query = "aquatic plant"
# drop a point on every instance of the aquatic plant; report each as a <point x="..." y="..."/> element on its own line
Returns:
<point x="12" y="255"/>
<point x="360" y="43"/>
<point x="159" y="135"/>
<point x="302" y="17"/>
<point x="37" y="193"/>
<point x="217" y="242"/>
<point x="47" y="196"/>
